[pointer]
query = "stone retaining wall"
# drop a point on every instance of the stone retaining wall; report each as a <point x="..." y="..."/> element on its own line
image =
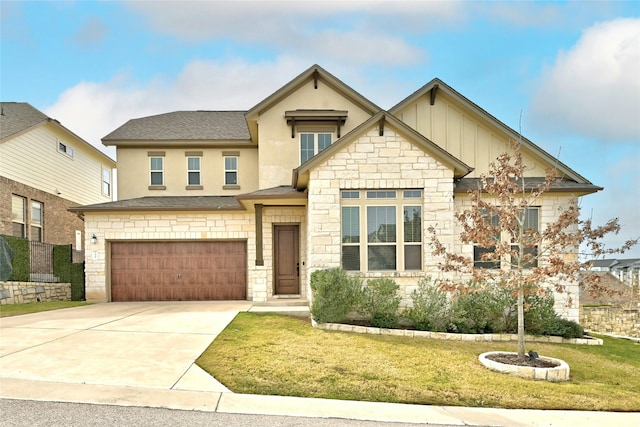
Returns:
<point x="26" y="292"/>
<point x="611" y="320"/>
<point x="451" y="336"/>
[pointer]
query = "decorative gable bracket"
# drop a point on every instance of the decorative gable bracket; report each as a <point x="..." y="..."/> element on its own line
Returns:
<point x="294" y="117"/>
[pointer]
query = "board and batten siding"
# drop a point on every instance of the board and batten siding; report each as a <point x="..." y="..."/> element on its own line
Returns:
<point x="464" y="134"/>
<point x="34" y="160"/>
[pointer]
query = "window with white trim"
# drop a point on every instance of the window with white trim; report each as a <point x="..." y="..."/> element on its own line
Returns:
<point x="311" y="143"/>
<point x="36" y="232"/>
<point x="193" y="171"/>
<point x="65" y="149"/>
<point x="392" y="222"/>
<point x="156" y="168"/>
<point x="19" y="216"/>
<point x="106" y="182"/>
<point x="230" y="170"/>
<point x="530" y="218"/>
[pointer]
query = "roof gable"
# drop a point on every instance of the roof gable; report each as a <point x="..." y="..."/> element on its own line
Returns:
<point x="18" y="117"/>
<point x="382" y="120"/>
<point x="436" y="86"/>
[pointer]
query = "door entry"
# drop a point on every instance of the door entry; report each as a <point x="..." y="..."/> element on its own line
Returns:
<point x="286" y="259"/>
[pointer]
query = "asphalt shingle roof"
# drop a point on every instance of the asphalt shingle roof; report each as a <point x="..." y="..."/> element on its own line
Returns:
<point x="184" y="125"/>
<point x="166" y="203"/>
<point x="18" y="116"/>
<point x="469" y="184"/>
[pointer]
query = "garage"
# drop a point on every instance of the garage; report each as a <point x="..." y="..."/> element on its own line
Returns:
<point x="178" y="271"/>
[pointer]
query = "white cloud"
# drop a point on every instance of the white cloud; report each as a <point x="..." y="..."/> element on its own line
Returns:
<point x="594" y="88"/>
<point x="94" y="109"/>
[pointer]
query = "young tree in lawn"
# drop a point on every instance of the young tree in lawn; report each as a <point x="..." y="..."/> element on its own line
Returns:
<point x="502" y="224"/>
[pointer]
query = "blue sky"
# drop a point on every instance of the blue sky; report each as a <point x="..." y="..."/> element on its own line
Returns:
<point x="566" y="73"/>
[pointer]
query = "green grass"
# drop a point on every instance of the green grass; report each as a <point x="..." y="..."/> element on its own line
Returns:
<point x="35" y="307"/>
<point x="272" y="354"/>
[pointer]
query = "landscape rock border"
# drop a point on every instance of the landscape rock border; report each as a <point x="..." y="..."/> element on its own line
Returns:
<point x="556" y="374"/>
<point x="451" y="336"/>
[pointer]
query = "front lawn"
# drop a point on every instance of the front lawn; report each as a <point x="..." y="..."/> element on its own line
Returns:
<point x="279" y="355"/>
<point x="35" y="307"/>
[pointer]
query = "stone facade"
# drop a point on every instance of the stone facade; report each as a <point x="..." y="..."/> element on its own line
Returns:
<point x="59" y="225"/>
<point x="27" y="292"/>
<point x="611" y="320"/>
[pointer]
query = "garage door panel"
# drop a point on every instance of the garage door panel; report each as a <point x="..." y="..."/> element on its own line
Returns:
<point x="178" y="271"/>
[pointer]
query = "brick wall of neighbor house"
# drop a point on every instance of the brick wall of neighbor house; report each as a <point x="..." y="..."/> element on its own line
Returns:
<point x="27" y="292"/>
<point x="397" y="164"/>
<point x="186" y="226"/>
<point x="611" y="320"/>
<point x="60" y="225"/>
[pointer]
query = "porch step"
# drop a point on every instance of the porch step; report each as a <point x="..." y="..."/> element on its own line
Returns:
<point x="296" y="307"/>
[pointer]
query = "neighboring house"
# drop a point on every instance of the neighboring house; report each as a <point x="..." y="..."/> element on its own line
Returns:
<point x="44" y="170"/>
<point x="626" y="271"/>
<point x="247" y="204"/>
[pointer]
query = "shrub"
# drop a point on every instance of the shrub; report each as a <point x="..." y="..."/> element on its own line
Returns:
<point x="380" y="301"/>
<point x="566" y="328"/>
<point x="20" y="263"/>
<point x="480" y="310"/>
<point x="540" y="316"/>
<point x="62" y="262"/>
<point x="430" y="311"/>
<point x="77" y="282"/>
<point x="334" y="294"/>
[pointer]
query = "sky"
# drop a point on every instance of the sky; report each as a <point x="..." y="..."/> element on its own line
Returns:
<point x="564" y="74"/>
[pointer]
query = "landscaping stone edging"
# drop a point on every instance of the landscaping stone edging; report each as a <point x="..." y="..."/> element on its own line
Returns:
<point x="555" y="374"/>
<point x="341" y="327"/>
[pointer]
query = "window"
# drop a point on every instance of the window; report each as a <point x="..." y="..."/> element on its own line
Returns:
<point x="64" y="148"/>
<point x="36" y="221"/>
<point x="231" y="170"/>
<point x="313" y="143"/>
<point x="392" y="225"/>
<point x="106" y="182"/>
<point x="193" y="170"/>
<point x="530" y="250"/>
<point x="19" y="216"/>
<point x="478" y="251"/>
<point x="157" y="170"/>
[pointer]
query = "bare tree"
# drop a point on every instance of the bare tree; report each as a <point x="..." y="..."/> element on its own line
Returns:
<point x="510" y="250"/>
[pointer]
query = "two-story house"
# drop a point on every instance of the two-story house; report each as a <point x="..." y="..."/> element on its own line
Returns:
<point x="247" y="204"/>
<point x="45" y="169"/>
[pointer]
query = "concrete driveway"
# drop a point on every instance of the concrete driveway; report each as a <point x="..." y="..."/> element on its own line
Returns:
<point x="149" y="345"/>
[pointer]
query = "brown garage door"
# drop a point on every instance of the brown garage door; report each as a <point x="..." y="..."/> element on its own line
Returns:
<point x="178" y="271"/>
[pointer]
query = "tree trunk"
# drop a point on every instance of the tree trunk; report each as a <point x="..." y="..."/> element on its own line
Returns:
<point x="520" y="322"/>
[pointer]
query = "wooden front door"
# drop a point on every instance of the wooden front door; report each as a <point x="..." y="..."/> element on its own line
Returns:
<point x="286" y="260"/>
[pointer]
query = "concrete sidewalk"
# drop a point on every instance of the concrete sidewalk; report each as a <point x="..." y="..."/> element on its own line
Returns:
<point x="143" y="354"/>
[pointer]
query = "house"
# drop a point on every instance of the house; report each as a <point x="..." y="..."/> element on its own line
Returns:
<point x="626" y="271"/>
<point x="247" y="204"/>
<point x="45" y="169"/>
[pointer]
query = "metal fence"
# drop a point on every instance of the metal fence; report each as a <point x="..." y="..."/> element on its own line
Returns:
<point x="41" y="262"/>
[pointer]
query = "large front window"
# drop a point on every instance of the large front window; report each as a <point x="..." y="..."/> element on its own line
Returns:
<point x="313" y="143"/>
<point x="391" y="220"/>
<point x="19" y="216"/>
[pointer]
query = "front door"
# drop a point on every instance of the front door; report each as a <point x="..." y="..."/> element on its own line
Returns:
<point x="286" y="260"/>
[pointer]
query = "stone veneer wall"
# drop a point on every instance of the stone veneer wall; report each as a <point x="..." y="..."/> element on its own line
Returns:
<point x="26" y="292"/>
<point x="611" y="320"/>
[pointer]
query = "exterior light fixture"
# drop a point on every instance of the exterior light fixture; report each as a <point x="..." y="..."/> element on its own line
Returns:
<point x="94" y="239"/>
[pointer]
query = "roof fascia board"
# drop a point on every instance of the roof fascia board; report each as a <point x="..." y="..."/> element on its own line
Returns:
<point x="141" y="143"/>
<point x="525" y="143"/>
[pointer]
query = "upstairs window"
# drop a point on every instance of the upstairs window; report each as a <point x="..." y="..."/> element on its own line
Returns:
<point x="193" y="171"/>
<point x="230" y="170"/>
<point x="313" y="143"/>
<point x="19" y="216"/>
<point x="65" y="149"/>
<point x="156" y="167"/>
<point x="106" y="182"/>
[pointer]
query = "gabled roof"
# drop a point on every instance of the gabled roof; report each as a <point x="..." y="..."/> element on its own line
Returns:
<point x="320" y="76"/>
<point x="183" y="126"/>
<point x="460" y="169"/>
<point x="436" y="85"/>
<point x="17" y="117"/>
<point x="20" y="117"/>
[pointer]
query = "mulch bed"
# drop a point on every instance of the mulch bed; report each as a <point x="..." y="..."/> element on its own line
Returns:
<point x="512" y="359"/>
